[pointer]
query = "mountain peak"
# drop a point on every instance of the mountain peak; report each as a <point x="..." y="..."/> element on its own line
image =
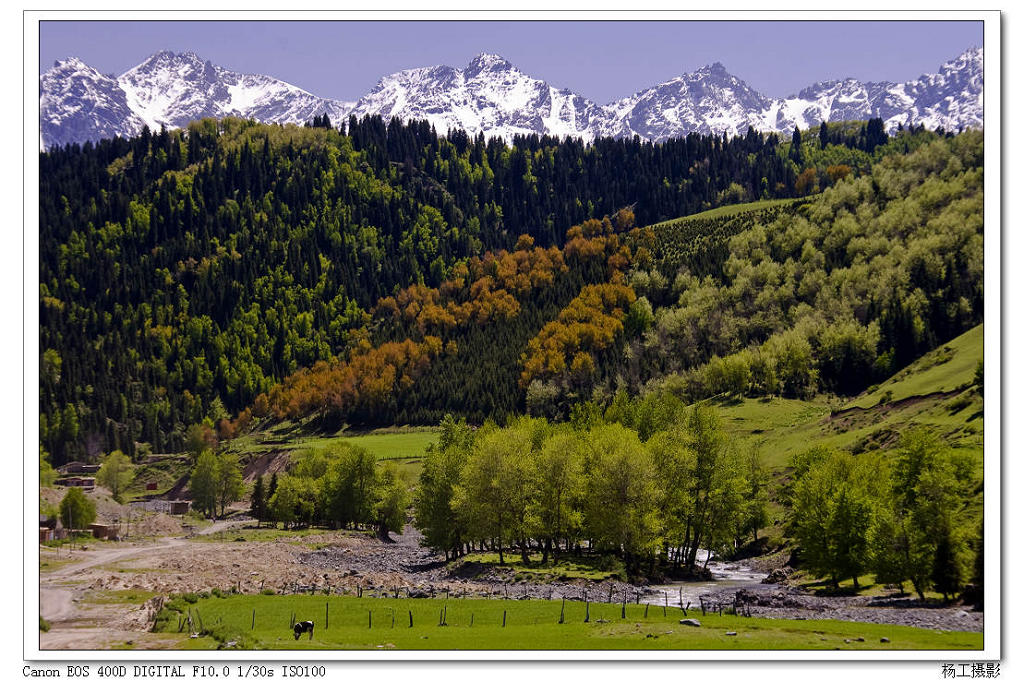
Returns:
<point x="168" y="57"/>
<point x="486" y="61"/>
<point x="716" y="69"/>
<point x="73" y="63"/>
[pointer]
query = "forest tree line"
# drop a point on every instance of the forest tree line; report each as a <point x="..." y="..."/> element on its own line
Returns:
<point x="185" y="273"/>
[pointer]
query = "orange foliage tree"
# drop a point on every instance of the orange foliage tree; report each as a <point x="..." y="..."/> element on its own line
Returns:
<point x="590" y="323"/>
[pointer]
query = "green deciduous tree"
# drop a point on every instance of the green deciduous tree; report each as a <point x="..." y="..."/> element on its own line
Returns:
<point x="556" y="509"/>
<point x="496" y="487"/>
<point x="229" y="480"/>
<point x="390" y="501"/>
<point x="77" y="511"/>
<point x="623" y="498"/>
<point x="435" y="515"/>
<point x="932" y="489"/>
<point x="832" y="514"/>
<point x="47" y="474"/>
<point x="349" y="486"/>
<point x="203" y="483"/>
<point x="116" y="473"/>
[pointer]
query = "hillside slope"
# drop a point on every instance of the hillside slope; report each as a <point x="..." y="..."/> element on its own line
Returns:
<point x="937" y="391"/>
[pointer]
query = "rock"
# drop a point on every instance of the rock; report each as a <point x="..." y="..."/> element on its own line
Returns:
<point x="861" y="639"/>
<point x="690" y="622"/>
<point x="730" y="633"/>
<point x="884" y="639"/>
<point x="778" y="576"/>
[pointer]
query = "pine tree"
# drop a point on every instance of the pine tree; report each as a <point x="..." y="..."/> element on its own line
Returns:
<point x="258" y="503"/>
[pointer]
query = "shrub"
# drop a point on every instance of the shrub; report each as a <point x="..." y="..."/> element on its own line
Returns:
<point x="176" y="604"/>
<point x="43" y="624"/>
<point x="191" y="597"/>
<point x="267" y="592"/>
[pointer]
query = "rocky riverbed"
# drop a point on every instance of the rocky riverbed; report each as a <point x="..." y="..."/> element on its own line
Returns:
<point x="379" y="568"/>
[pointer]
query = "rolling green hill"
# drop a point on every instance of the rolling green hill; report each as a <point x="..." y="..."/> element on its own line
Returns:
<point x="937" y="391"/>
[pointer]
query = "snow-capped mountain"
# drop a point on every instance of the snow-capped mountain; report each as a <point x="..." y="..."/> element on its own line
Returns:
<point x="950" y="99"/>
<point x="493" y="97"/>
<point x="77" y="103"/>
<point x="490" y="95"/>
<point x="172" y="89"/>
<point x="709" y="100"/>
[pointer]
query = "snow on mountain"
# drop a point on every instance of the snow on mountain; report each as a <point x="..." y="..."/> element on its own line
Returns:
<point x="950" y="99"/>
<point x="709" y="100"/>
<point x="79" y="103"/>
<point x="492" y="96"/>
<point x="169" y="89"/>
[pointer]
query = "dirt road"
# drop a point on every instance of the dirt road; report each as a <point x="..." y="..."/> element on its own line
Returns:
<point x="77" y="625"/>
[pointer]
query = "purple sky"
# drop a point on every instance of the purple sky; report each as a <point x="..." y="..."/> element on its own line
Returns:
<point x="603" y="61"/>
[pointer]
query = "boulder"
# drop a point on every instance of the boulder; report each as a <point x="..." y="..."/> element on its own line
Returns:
<point x="690" y="622"/>
<point x="778" y="576"/>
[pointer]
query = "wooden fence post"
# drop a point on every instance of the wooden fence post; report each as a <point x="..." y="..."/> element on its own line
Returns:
<point x="253" y="619"/>
<point x="504" y="614"/>
<point x="327" y="615"/>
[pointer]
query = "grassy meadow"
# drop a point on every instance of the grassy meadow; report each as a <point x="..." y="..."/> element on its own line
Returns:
<point x="346" y="623"/>
<point x="390" y="443"/>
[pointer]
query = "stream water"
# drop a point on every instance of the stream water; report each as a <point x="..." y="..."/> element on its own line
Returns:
<point x="727" y="578"/>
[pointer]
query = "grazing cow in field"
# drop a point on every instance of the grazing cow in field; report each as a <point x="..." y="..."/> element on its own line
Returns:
<point x="302" y="627"/>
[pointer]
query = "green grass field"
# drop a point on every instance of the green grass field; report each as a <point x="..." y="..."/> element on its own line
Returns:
<point x="391" y="443"/>
<point x="474" y="624"/>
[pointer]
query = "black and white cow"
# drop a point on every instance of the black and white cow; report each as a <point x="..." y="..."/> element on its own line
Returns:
<point x="302" y="627"/>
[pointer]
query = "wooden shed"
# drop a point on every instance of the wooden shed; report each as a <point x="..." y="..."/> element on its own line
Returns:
<point x="103" y="531"/>
<point x="179" y="507"/>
